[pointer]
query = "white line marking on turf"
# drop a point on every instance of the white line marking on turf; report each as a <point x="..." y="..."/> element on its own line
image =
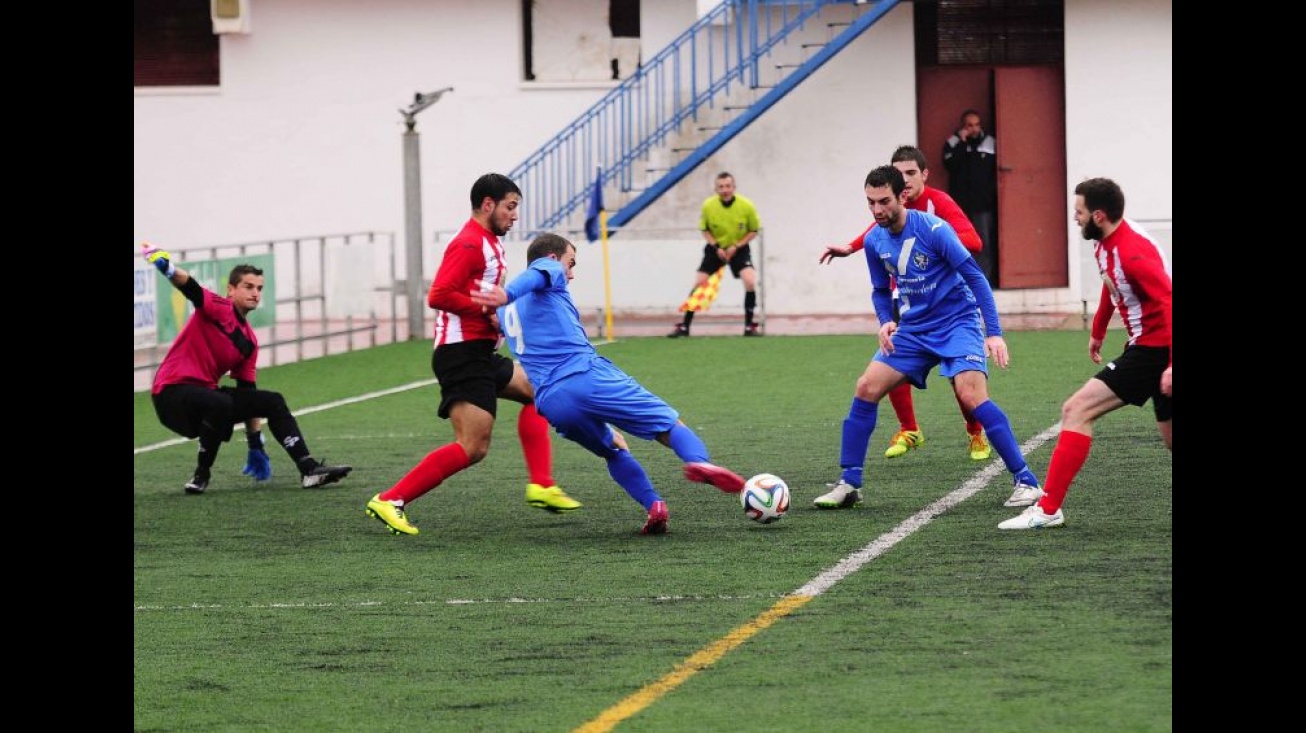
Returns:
<point x="306" y="411"/>
<point x="818" y="585"/>
<point x="460" y="602"/>
<point x="908" y="526"/>
<point x="319" y="408"/>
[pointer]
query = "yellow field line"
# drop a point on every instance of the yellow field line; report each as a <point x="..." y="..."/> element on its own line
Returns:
<point x="702" y="659"/>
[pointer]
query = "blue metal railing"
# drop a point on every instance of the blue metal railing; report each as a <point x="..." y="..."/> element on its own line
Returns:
<point x="716" y="56"/>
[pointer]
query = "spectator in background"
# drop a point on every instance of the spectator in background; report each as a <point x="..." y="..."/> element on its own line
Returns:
<point x="971" y="158"/>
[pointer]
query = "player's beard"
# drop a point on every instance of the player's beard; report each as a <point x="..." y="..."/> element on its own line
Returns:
<point x="1091" y="230"/>
<point x="889" y="220"/>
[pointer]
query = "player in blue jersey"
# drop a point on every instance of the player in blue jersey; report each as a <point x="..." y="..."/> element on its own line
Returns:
<point x="583" y="395"/>
<point x="939" y="288"/>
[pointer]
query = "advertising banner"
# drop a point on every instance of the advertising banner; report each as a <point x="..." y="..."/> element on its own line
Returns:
<point x="146" y="331"/>
<point x="172" y="308"/>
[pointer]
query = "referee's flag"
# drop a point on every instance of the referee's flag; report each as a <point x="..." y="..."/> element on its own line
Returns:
<point x="596" y="206"/>
<point x="702" y="297"/>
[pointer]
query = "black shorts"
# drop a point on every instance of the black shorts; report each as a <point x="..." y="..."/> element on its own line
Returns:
<point x="470" y="371"/>
<point x="1135" y="377"/>
<point x="183" y="408"/>
<point x="712" y="262"/>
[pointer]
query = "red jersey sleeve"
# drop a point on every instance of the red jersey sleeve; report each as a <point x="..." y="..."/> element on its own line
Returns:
<point x="1146" y="272"/>
<point x="1102" y="317"/>
<point x="947" y="209"/>
<point x="451" y="289"/>
<point x="858" y="244"/>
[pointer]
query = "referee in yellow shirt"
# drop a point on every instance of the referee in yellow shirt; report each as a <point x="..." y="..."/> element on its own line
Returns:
<point x="728" y="222"/>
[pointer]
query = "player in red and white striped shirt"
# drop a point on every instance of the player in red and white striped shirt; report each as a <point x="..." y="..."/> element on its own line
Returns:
<point x="473" y="375"/>
<point x="1136" y="285"/>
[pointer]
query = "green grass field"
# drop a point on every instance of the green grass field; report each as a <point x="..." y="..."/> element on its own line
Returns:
<point x="266" y="607"/>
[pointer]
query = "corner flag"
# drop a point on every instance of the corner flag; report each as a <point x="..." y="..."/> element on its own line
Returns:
<point x="596" y="205"/>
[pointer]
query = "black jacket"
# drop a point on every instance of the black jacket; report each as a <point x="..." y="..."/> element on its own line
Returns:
<point x="972" y="172"/>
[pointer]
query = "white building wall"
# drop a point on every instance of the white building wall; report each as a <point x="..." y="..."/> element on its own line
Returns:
<point x="304" y="135"/>
<point x="803" y="164"/>
<point x="1119" y="123"/>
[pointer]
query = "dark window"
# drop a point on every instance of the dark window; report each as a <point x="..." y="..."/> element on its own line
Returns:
<point x="175" y="44"/>
<point x="528" y="33"/>
<point x="623" y="24"/>
<point x="989" y="32"/>
<point x="623" y="18"/>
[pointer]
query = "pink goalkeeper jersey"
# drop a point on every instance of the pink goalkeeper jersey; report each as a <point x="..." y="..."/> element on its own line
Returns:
<point x="215" y="340"/>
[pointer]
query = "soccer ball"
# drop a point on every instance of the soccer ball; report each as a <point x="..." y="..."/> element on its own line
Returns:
<point x="765" y="498"/>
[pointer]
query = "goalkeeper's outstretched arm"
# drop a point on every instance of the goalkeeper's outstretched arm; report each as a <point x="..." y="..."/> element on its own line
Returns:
<point x="180" y="279"/>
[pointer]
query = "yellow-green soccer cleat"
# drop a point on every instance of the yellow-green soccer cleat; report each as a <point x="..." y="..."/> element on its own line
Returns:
<point x="552" y="498"/>
<point x="979" y="448"/>
<point x="903" y="441"/>
<point x="390" y="515"/>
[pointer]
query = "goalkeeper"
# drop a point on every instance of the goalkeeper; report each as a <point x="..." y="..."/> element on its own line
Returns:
<point x="216" y="340"/>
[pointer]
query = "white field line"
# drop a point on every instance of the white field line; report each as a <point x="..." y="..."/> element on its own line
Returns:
<point x="818" y="585"/>
<point x="319" y="408"/>
<point x="908" y="526"/>
<point x="462" y="602"/>
<point x="306" y="411"/>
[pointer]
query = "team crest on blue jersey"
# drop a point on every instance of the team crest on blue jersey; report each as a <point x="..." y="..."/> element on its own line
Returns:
<point x="921" y="260"/>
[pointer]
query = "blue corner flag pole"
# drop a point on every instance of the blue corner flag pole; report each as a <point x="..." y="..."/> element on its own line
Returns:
<point x="592" y="229"/>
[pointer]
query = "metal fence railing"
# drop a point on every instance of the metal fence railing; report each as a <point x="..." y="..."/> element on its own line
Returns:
<point x="330" y="294"/>
<point x="325" y="294"/>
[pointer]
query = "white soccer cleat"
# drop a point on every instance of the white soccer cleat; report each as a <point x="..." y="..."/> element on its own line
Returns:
<point x="1034" y="518"/>
<point x="842" y="495"/>
<point x="1023" y="495"/>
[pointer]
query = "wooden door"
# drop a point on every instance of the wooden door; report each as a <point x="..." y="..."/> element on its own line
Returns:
<point x="1033" y="203"/>
<point x="942" y="94"/>
<point x="1024" y="109"/>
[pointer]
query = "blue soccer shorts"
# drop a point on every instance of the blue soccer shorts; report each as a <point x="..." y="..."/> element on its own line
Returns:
<point x="580" y="407"/>
<point x="955" y="349"/>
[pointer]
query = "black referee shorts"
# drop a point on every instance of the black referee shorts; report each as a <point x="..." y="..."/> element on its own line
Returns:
<point x="712" y="261"/>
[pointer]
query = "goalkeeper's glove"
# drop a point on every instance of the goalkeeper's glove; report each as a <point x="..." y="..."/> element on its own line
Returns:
<point x="161" y="259"/>
<point x="257" y="464"/>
